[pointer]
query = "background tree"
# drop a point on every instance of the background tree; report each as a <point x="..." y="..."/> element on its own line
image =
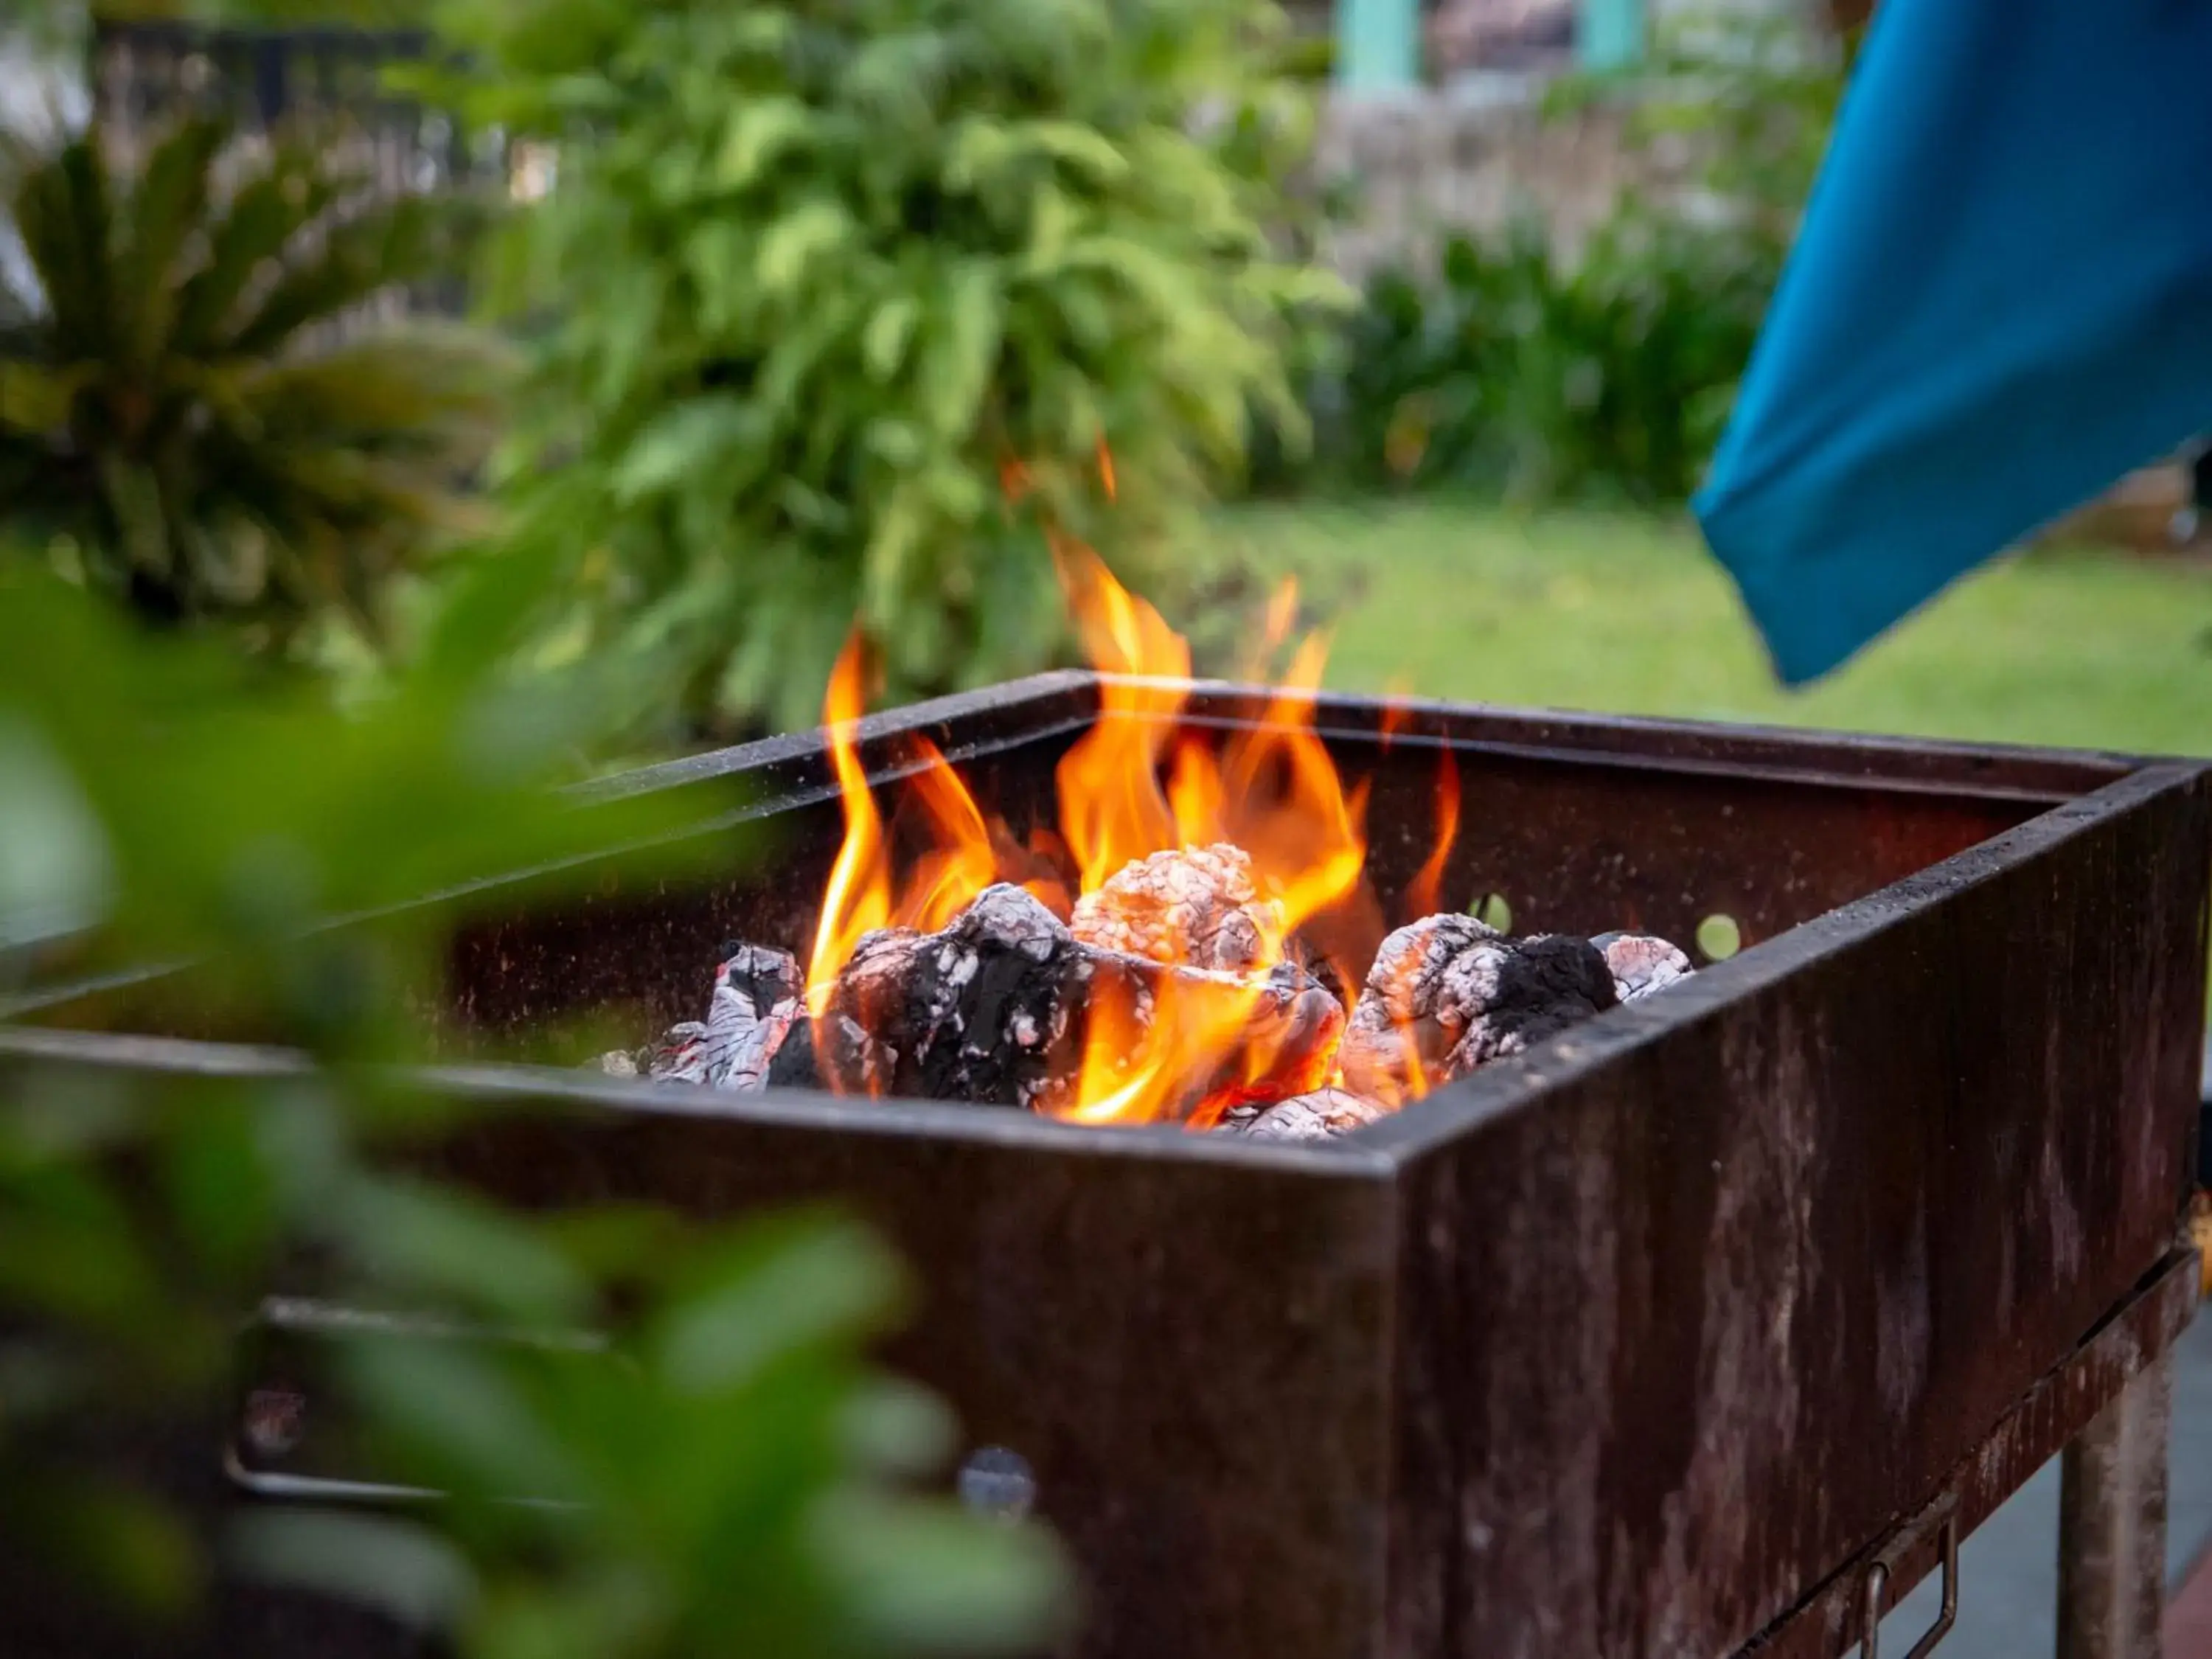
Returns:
<point x="817" y="278"/>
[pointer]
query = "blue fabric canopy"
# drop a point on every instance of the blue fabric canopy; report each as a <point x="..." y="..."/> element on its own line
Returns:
<point x="2000" y="303"/>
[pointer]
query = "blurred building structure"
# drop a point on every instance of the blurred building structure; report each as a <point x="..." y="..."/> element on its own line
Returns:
<point x="1391" y="47"/>
<point x="41" y="91"/>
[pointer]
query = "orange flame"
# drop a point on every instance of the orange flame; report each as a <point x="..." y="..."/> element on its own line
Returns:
<point x="1195" y="799"/>
<point x="963" y="856"/>
<point x="857" y="900"/>
<point x="1396" y="716"/>
<point x="1274" y="791"/>
<point x="1428" y="882"/>
<point x="1111" y="808"/>
<point x="1284" y="802"/>
<point x="966" y="852"/>
<point x="1185" y="1048"/>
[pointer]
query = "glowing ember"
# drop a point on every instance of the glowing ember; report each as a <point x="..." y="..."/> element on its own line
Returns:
<point x="1196" y="906"/>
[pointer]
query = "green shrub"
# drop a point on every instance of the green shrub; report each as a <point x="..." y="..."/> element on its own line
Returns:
<point x="1612" y="377"/>
<point x="181" y="405"/>
<point x="1511" y="371"/>
<point x="817" y="275"/>
<point x="1510" y="368"/>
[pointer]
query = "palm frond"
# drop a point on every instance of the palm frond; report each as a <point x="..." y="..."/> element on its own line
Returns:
<point x="61" y="212"/>
<point x="167" y="209"/>
<point x="377" y="247"/>
<point x="173" y="401"/>
<point x="290" y="192"/>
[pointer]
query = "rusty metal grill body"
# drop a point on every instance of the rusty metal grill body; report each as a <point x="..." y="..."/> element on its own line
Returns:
<point x="1658" y="1341"/>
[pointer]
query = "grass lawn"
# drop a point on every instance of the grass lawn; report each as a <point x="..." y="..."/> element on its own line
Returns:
<point x="1628" y="615"/>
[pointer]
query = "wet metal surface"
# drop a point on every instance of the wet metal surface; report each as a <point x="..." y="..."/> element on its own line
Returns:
<point x="1829" y="1621"/>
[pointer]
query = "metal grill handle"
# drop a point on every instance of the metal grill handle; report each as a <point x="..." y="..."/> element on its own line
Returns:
<point x="1945" y="1509"/>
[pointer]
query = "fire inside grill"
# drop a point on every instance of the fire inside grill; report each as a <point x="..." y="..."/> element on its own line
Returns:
<point x="1197" y="945"/>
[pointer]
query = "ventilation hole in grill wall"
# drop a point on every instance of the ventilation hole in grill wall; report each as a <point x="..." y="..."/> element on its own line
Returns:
<point x="1491" y="907"/>
<point x="997" y="1483"/>
<point x="1719" y="938"/>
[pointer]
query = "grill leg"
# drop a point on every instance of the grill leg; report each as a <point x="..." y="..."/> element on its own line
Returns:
<point x="2112" y="1525"/>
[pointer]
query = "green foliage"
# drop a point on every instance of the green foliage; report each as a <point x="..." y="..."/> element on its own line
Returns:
<point x="321" y="13"/>
<point x="42" y="24"/>
<point x="182" y="403"/>
<point x="1516" y="372"/>
<point x="231" y="14"/>
<point x="818" y="276"/>
<point x="1606" y="374"/>
<point x="743" y="1475"/>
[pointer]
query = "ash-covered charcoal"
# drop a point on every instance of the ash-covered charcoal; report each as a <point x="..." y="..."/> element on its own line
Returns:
<point x="857" y="1038"/>
<point x="1448" y="992"/>
<point x="1321" y="1116"/>
<point x="992" y="1010"/>
<point x="756" y="1000"/>
<point x="1196" y="906"/>
<point x="979" y="1012"/>
<point x="1641" y="963"/>
<point x="674" y="1056"/>
<point x="758" y="995"/>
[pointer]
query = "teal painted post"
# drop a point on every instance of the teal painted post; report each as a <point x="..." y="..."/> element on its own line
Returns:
<point x="1377" y="45"/>
<point x="1609" y="34"/>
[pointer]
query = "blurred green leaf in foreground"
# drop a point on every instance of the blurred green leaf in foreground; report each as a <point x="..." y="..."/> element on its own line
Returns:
<point x="731" y="1475"/>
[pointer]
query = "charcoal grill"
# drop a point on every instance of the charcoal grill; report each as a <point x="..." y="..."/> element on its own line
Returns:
<point x="1706" y="1328"/>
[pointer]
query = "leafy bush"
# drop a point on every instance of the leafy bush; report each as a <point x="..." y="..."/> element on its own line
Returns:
<point x="820" y="277"/>
<point x="179" y="402"/>
<point x="1513" y="372"/>
<point x="741" y="1476"/>
<point x="1511" y="367"/>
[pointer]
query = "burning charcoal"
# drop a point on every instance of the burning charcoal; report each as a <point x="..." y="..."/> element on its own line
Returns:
<point x="618" y="1062"/>
<point x="1640" y="963"/>
<point x="1321" y="1116"/>
<point x="1195" y="906"/>
<point x="1290" y="1044"/>
<point x="794" y="1067"/>
<point x="675" y="1056"/>
<point x="976" y="1012"/>
<point x="857" y="1038"/>
<point x="992" y="1010"/>
<point x="756" y="998"/>
<point x="1447" y="993"/>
